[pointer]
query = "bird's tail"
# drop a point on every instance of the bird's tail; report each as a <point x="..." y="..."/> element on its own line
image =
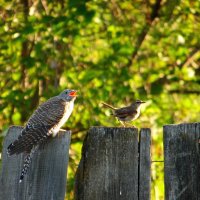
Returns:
<point x="27" y="163"/>
<point x="109" y="106"/>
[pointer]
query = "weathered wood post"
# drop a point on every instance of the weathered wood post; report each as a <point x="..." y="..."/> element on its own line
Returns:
<point x="46" y="178"/>
<point x="182" y="161"/>
<point x="110" y="168"/>
<point x="144" y="164"/>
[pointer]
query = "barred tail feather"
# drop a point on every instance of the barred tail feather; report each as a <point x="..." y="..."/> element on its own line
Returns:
<point x="27" y="163"/>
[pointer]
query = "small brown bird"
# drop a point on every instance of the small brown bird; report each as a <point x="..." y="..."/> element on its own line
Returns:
<point x="128" y="113"/>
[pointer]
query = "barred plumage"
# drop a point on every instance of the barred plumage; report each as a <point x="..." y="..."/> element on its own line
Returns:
<point x="44" y="123"/>
<point x="27" y="163"/>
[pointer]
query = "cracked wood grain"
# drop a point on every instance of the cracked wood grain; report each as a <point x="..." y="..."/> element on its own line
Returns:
<point x="108" y="168"/>
<point x="182" y="161"/>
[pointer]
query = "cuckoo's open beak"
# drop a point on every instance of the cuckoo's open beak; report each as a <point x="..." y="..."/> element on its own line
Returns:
<point x="73" y="93"/>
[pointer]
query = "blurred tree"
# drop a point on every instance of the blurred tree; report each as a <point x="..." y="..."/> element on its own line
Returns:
<point x="113" y="51"/>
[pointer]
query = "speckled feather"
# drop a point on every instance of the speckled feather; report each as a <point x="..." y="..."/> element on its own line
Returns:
<point x="41" y="125"/>
<point x="46" y="121"/>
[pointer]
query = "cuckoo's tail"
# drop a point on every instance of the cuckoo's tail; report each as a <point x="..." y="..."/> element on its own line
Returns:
<point x="109" y="106"/>
<point x="27" y="163"/>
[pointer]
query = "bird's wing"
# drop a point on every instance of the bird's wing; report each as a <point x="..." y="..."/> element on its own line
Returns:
<point x="48" y="113"/>
<point x="123" y="112"/>
<point x="36" y="130"/>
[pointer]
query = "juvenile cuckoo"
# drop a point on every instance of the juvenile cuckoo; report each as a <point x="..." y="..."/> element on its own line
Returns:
<point x="44" y="123"/>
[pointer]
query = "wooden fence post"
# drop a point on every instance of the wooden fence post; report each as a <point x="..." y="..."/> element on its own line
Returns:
<point x="46" y="178"/>
<point x="182" y="161"/>
<point x="145" y="164"/>
<point x="108" y="168"/>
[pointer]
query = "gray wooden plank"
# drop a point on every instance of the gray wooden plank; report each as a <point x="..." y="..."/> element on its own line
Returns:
<point x="145" y="164"/>
<point x="46" y="178"/>
<point x="108" y="169"/>
<point x="182" y="161"/>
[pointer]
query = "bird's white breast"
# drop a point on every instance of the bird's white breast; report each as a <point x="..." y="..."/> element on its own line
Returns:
<point x="68" y="111"/>
<point x="138" y="114"/>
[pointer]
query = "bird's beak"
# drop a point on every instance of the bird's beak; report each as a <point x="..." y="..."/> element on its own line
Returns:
<point x="73" y="93"/>
<point x="143" y="102"/>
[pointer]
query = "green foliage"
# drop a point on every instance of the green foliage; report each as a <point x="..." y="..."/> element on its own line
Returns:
<point x="112" y="51"/>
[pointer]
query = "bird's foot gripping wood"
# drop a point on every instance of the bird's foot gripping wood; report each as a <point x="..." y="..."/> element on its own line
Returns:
<point x="123" y="124"/>
<point x="60" y="133"/>
<point x="126" y="124"/>
<point x="130" y="125"/>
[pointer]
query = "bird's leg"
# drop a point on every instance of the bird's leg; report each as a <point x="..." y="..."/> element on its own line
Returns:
<point x="123" y="123"/>
<point x="58" y="134"/>
<point x="130" y="124"/>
